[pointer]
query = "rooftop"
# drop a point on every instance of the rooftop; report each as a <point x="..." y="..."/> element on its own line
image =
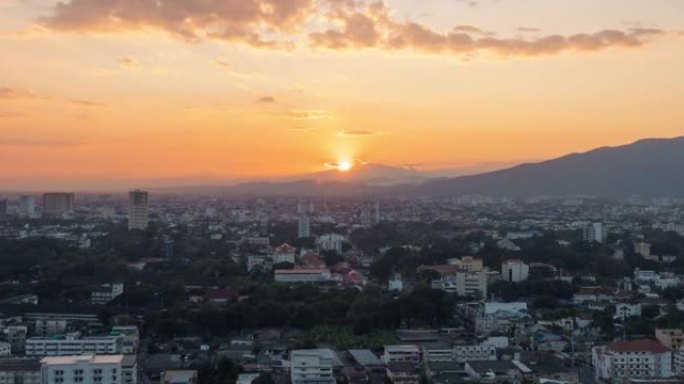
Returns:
<point x="97" y="359"/>
<point x="640" y="345"/>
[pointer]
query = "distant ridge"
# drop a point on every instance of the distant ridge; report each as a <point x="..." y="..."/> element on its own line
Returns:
<point x="650" y="167"/>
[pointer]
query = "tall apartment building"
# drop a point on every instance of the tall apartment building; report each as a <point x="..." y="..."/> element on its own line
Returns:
<point x="312" y="366"/>
<point x="138" y="211"/>
<point x="634" y="359"/>
<point x="112" y="369"/>
<point x="3" y="207"/>
<point x="55" y="203"/>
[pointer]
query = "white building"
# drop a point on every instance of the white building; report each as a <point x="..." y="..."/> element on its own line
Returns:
<point x="138" y="215"/>
<point x="595" y="232"/>
<point x="515" y="271"/>
<point x="284" y="254"/>
<point x="73" y="344"/>
<point x="112" y="369"/>
<point x="636" y="359"/>
<point x="106" y="293"/>
<point x="473" y="284"/>
<point x="401" y="354"/>
<point x="624" y="311"/>
<point x="396" y="283"/>
<point x="475" y="352"/>
<point x="331" y="242"/>
<point x="312" y="366"/>
<point x="302" y="275"/>
<point x="304" y="226"/>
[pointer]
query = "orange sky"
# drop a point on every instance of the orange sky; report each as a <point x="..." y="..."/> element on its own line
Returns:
<point x="237" y="89"/>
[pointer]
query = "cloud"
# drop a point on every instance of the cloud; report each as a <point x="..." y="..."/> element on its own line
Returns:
<point x="301" y="129"/>
<point x="358" y="133"/>
<point x="267" y="100"/>
<point x="528" y="29"/>
<point x="88" y="103"/>
<point x="245" y="21"/>
<point x="15" y="142"/>
<point x="306" y="114"/>
<point x="129" y="62"/>
<point x="10" y="114"/>
<point x="325" y="24"/>
<point x="222" y="63"/>
<point x="380" y="31"/>
<point x="17" y="93"/>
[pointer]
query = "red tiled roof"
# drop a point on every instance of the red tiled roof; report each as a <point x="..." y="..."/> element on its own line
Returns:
<point x="641" y="345"/>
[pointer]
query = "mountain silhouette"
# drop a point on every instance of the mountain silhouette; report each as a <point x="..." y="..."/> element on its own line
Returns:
<point x="650" y="167"/>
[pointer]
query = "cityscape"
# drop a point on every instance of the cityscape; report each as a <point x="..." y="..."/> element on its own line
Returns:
<point x="341" y="192"/>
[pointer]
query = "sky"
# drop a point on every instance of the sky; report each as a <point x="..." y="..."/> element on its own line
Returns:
<point x="126" y="93"/>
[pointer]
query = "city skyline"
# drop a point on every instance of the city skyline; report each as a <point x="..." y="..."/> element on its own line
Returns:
<point x="157" y="94"/>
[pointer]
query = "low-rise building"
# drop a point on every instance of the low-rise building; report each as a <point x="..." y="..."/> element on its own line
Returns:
<point x="302" y="275"/>
<point x="73" y="344"/>
<point x="643" y="358"/>
<point x="115" y="369"/>
<point x="312" y="366"/>
<point x="624" y="311"/>
<point x="20" y="371"/>
<point x="402" y="354"/>
<point x="106" y="293"/>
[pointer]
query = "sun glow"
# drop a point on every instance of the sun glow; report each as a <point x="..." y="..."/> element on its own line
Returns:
<point x="345" y="166"/>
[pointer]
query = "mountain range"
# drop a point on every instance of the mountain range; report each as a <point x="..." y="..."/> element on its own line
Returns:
<point x="650" y="167"/>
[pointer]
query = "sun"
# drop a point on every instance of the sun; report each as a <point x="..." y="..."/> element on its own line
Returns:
<point x="345" y="166"/>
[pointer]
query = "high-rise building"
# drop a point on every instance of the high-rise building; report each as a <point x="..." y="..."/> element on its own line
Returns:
<point x="137" y="210"/>
<point x="27" y="206"/>
<point x="304" y="221"/>
<point x="58" y="203"/>
<point x="3" y="207"/>
<point x="168" y="249"/>
<point x="595" y="232"/>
